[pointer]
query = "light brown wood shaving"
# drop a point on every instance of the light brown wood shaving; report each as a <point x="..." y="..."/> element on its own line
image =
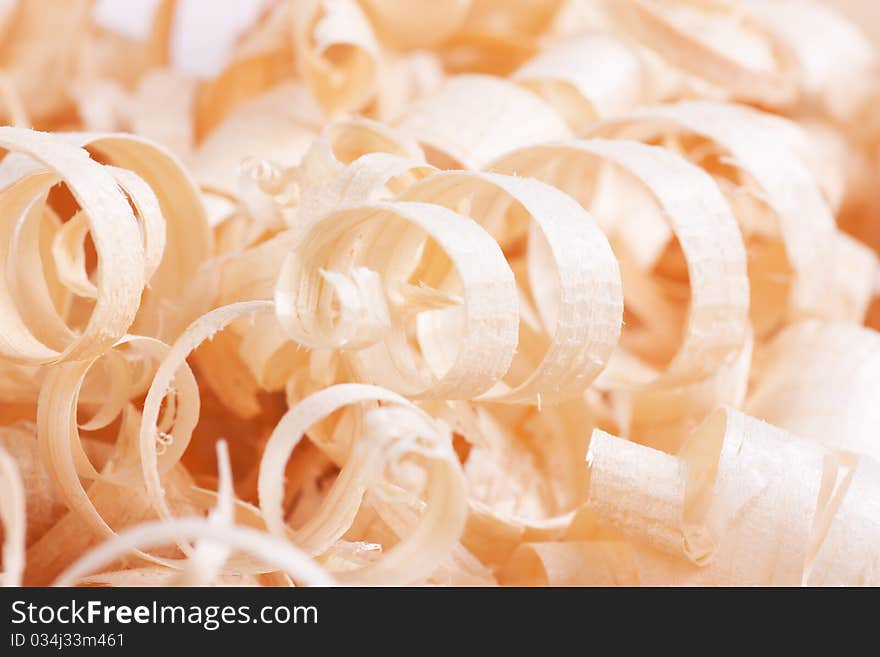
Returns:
<point x="567" y="293"/>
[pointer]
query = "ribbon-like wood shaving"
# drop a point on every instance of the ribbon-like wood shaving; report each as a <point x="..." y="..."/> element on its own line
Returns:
<point x="386" y="292"/>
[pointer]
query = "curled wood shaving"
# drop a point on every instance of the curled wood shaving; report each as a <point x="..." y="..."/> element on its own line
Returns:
<point x="587" y="78"/>
<point x="12" y="511"/>
<point x="744" y="503"/>
<point x="473" y="119"/>
<point x="374" y="292"/>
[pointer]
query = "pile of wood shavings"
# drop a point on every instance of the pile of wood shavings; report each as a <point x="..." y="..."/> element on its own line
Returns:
<point x="471" y="292"/>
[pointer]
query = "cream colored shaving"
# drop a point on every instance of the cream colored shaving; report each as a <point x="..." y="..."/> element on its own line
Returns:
<point x="567" y="293"/>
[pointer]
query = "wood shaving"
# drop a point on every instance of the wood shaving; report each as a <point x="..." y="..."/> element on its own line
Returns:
<point x="374" y="292"/>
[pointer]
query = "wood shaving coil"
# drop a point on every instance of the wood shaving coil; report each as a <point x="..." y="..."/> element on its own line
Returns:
<point x="564" y="293"/>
